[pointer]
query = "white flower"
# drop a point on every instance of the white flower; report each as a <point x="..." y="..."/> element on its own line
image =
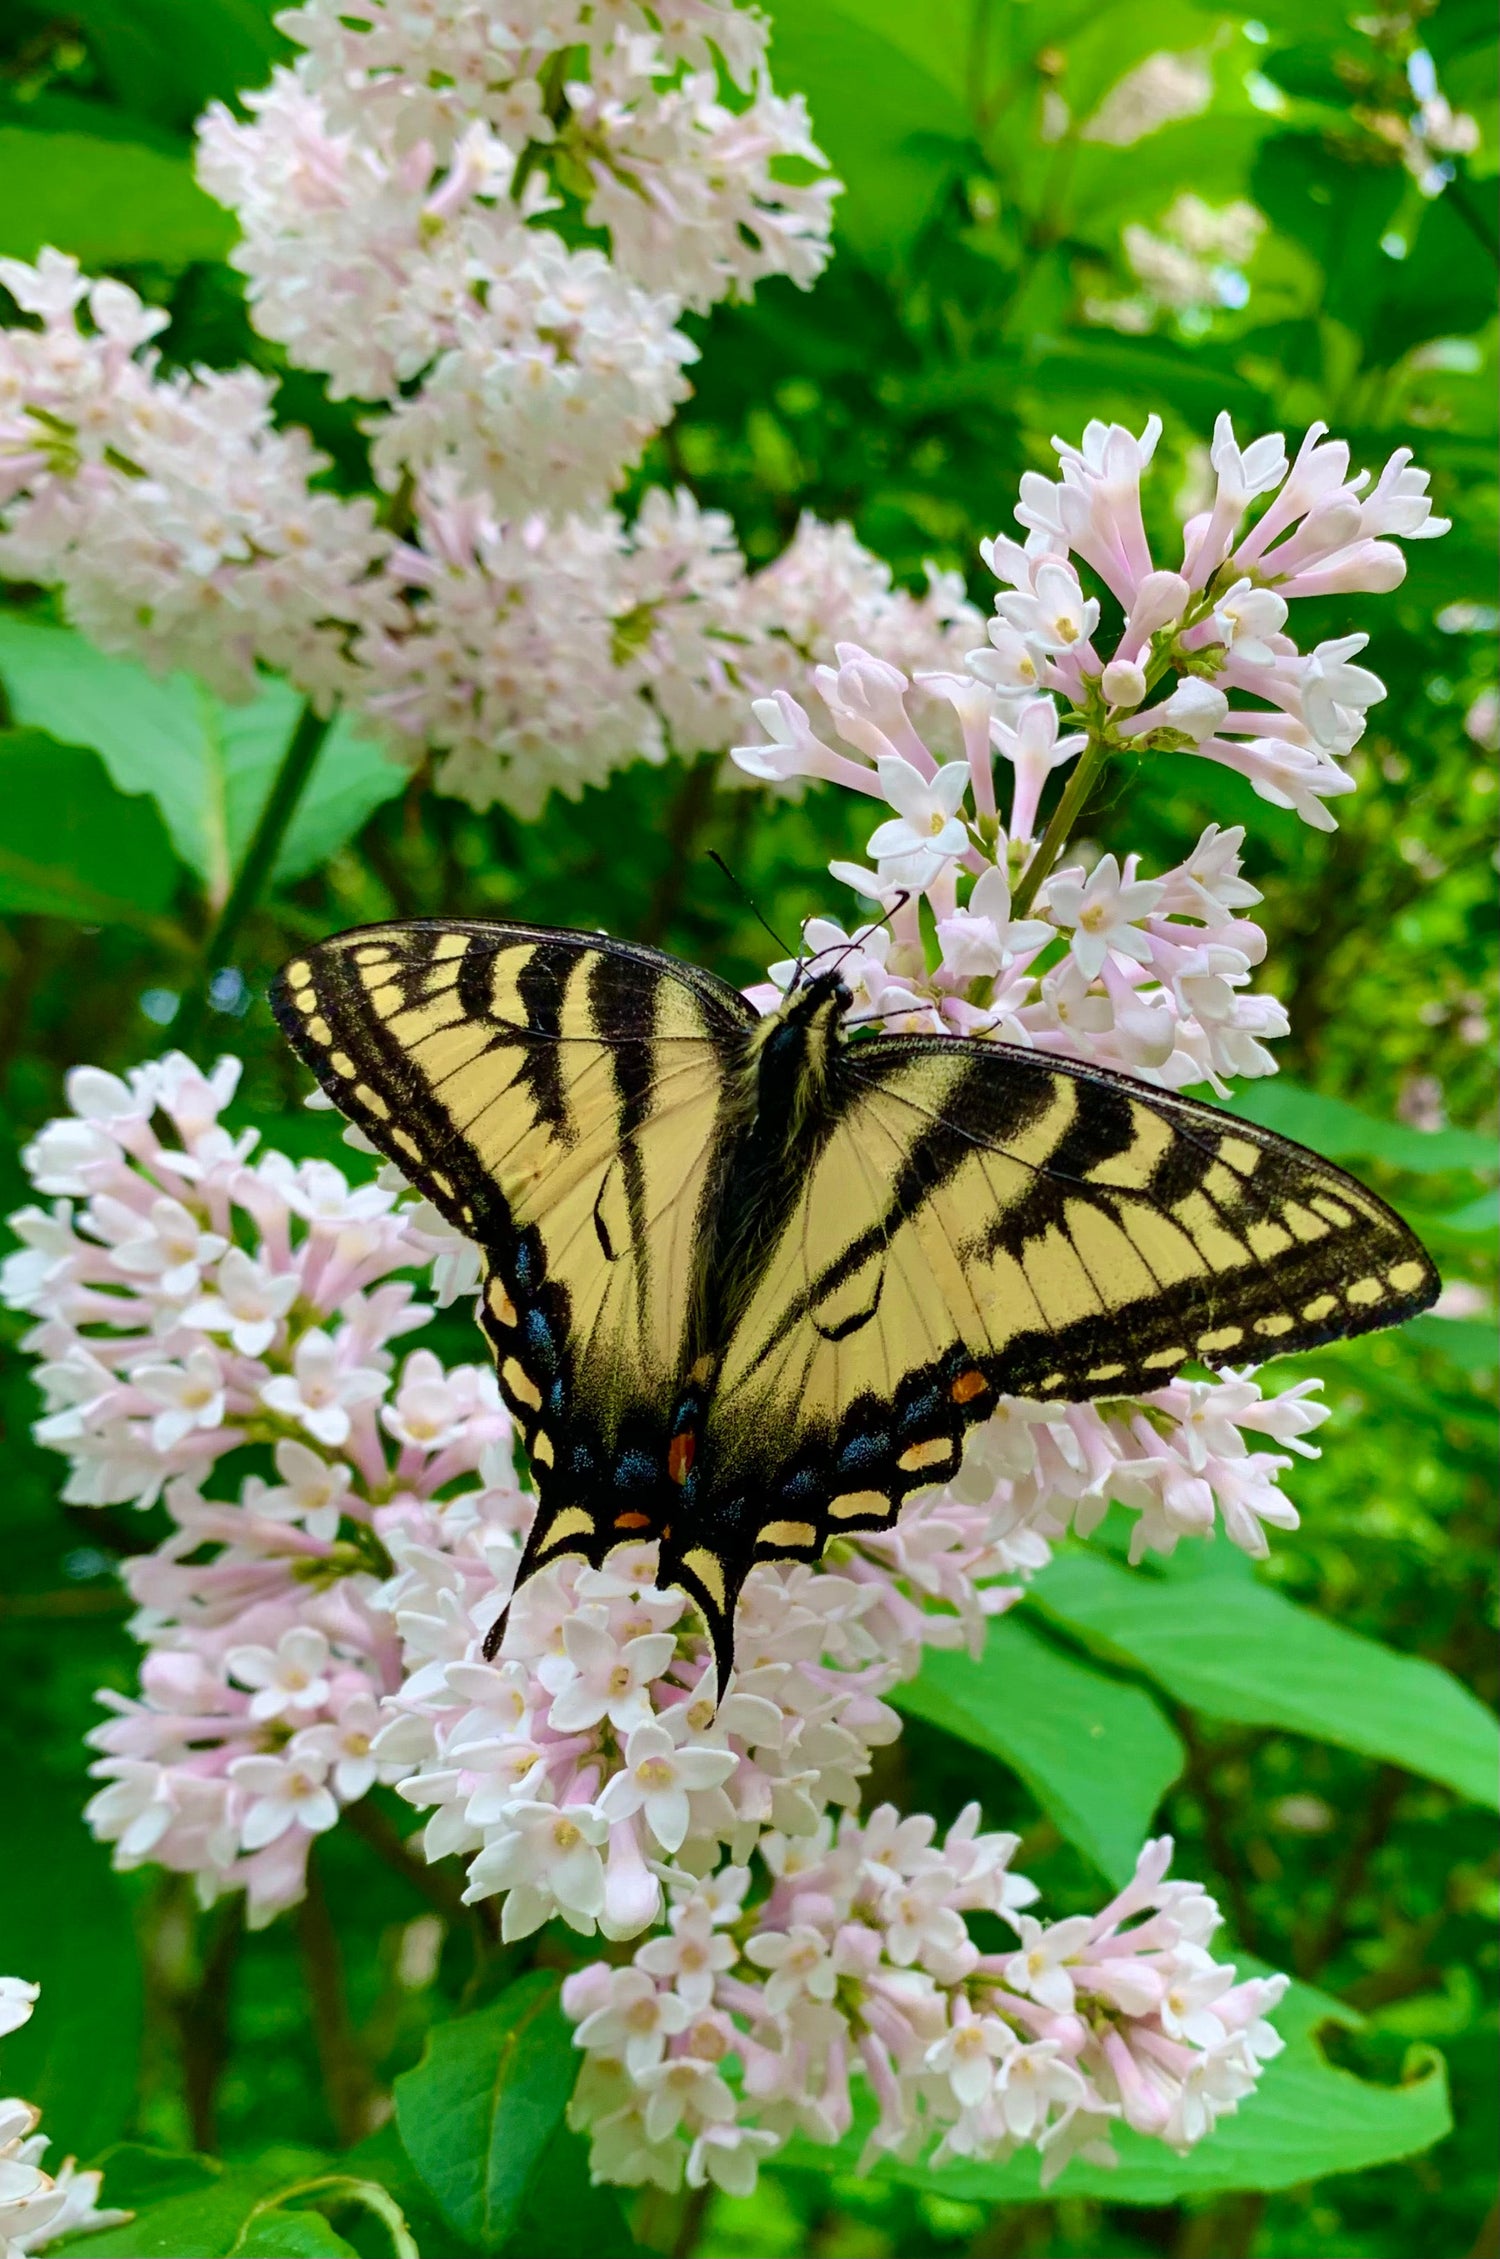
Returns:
<point x="1102" y="909"/>
<point x="691" y="1957"/>
<point x="289" y="1678"/>
<point x="1056" y="614"/>
<point x="191" y="1395"/>
<point x="1336" y="693"/>
<point x="319" y="1391"/>
<point x="1186" y="2009"/>
<point x="545" y="1856"/>
<point x="800" y="1965"/>
<point x="249" y="1304"/>
<point x="966" y="2056"/>
<point x="980" y="940"/>
<point x="313" y="1492"/>
<point x="636" y="2021"/>
<point x="729" y="2156"/>
<point x="658" y="1778"/>
<point x="1246" y="472"/>
<point x="1040" y="1967"/>
<point x="167" y="1247"/>
<point x="685" y="2087"/>
<point x="1245" y="616"/>
<point x="283" y="1792"/>
<point x="599" y="1677"/>
<point x="1030" y="2082"/>
<point x="346" y="1745"/>
<point x="926" y="831"/>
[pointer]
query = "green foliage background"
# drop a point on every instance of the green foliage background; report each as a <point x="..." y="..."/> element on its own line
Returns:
<point x="1304" y="1729"/>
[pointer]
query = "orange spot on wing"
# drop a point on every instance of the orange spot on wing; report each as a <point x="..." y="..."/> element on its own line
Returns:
<point x="967" y="1387"/>
<point x="632" y="1521"/>
<point x="680" y="1456"/>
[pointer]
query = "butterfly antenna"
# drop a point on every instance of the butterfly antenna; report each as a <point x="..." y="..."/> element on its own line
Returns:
<point x="857" y="940"/>
<point x="748" y="898"/>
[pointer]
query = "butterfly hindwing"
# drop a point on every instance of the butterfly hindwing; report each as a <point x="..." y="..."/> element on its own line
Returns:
<point x="566" y="1101"/>
<point x="980" y="1222"/>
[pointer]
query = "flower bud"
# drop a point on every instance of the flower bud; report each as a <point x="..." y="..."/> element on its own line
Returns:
<point x="1123" y="682"/>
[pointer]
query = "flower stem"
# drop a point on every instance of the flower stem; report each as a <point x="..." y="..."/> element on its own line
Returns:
<point x="287" y="787"/>
<point x="1053" y="840"/>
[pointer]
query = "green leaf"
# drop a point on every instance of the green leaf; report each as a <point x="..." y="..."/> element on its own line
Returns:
<point x="1342" y="1132"/>
<point x="1306" y="2119"/>
<point x="109" y="202"/>
<point x="1097" y="1755"/>
<point x="884" y="87"/>
<point x="204" y="2221"/>
<point x="66" y="1925"/>
<point x="1470" y="1343"/>
<point x="71" y="844"/>
<point x="480" y="2111"/>
<point x="138" y="2175"/>
<point x="563" y="2214"/>
<point x="1232" y="1648"/>
<point x="166" y="58"/>
<point x="380" y="2157"/>
<point x="277" y="2233"/>
<point x="207" y="765"/>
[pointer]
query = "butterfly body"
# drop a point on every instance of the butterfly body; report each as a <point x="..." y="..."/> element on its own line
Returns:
<point x="749" y="1280"/>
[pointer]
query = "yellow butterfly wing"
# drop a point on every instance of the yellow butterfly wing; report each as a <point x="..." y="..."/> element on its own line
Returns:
<point x="568" y="1102"/>
<point x="980" y="1221"/>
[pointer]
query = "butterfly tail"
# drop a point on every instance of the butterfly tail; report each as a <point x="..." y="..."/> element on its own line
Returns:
<point x="713" y="1584"/>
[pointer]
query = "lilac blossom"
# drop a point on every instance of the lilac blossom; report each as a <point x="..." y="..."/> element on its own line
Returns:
<point x="826" y="1985"/>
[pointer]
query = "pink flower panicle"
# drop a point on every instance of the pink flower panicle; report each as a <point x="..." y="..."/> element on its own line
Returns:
<point x="858" y="1965"/>
<point x="393" y="188"/>
<point x="195" y="1300"/>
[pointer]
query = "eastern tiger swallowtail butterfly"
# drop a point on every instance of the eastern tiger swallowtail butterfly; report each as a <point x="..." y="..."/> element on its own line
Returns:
<point x="748" y="1280"/>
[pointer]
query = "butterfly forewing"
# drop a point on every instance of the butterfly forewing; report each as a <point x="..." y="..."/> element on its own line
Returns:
<point x="567" y="1103"/>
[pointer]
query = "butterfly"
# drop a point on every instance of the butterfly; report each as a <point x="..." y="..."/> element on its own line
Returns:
<point x="749" y="1278"/>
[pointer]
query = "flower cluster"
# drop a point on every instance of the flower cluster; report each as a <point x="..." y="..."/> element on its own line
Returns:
<point x="183" y="525"/>
<point x="859" y="1962"/>
<point x="396" y="190"/>
<point x="1148" y="973"/>
<point x="38" y="2208"/>
<point x="215" y="1330"/>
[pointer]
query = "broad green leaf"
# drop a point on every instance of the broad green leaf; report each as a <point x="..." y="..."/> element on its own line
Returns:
<point x="138" y="2175"/>
<point x="72" y="845"/>
<point x="381" y="2157"/>
<point x="1098" y="1756"/>
<point x="207" y="765"/>
<point x="277" y="2233"/>
<point x="481" y="2109"/>
<point x="1307" y="2118"/>
<point x="1343" y="1132"/>
<point x="205" y="2222"/>
<point x="563" y="2214"/>
<point x="1232" y="1648"/>
<point x="886" y="105"/>
<point x="65" y="1922"/>
<point x="109" y="202"/>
